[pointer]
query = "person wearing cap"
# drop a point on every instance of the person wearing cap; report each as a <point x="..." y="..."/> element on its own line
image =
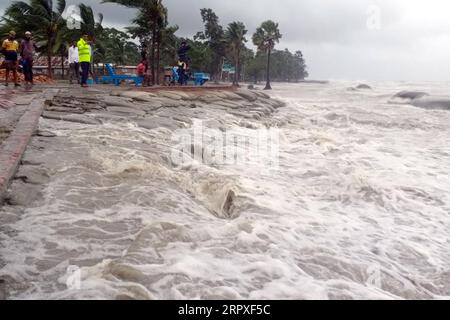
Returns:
<point x="84" y="56"/>
<point x="27" y="49"/>
<point x="10" y="48"/>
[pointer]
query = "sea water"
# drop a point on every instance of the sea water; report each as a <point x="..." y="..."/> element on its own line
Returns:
<point x="356" y="206"/>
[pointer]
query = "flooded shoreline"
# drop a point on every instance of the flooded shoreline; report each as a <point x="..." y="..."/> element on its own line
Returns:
<point x="356" y="208"/>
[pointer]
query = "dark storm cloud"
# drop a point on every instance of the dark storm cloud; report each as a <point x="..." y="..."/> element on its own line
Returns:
<point x="340" y="39"/>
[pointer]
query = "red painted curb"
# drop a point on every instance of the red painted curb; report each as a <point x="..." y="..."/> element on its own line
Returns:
<point x="13" y="148"/>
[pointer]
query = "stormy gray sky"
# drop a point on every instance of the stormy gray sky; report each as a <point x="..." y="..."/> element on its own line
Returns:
<point x="345" y="39"/>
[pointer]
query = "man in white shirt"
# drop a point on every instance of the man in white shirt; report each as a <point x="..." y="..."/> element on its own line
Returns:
<point x="74" y="62"/>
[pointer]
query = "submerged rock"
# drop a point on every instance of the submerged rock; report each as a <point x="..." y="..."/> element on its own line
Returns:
<point x="434" y="103"/>
<point x="363" y="86"/>
<point x="410" y="95"/>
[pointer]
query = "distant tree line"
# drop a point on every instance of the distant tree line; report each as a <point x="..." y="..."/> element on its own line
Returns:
<point x="151" y="33"/>
<point x="285" y="67"/>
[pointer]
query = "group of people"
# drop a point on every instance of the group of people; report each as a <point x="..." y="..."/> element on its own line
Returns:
<point x="22" y="54"/>
<point x="79" y="57"/>
<point x="12" y="50"/>
<point x="179" y="72"/>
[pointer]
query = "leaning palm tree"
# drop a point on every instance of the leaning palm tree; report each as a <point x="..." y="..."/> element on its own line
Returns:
<point x="265" y="38"/>
<point x="89" y="25"/>
<point x="93" y="27"/>
<point x="44" y="19"/>
<point x="235" y="39"/>
<point x="151" y="19"/>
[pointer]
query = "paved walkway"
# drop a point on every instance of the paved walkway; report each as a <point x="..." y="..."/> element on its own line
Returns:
<point x="13" y="104"/>
<point x="19" y="116"/>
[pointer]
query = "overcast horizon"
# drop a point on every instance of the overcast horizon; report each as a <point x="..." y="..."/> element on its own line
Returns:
<point x="352" y="39"/>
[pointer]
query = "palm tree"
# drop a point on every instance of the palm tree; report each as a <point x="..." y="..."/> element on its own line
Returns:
<point x="213" y="35"/>
<point x="92" y="27"/>
<point x="169" y="44"/>
<point x="44" y="19"/>
<point x="161" y="21"/>
<point x="265" y="38"/>
<point x="235" y="38"/>
<point x="151" y="18"/>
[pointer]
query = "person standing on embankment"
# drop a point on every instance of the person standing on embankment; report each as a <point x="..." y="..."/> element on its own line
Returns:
<point x="27" y="49"/>
<point x="183" y="62"/>
<point x="142" y="71"/>
<point x="84" y="55"/>
<point x="10" y="48"/>
<point x="74" y="63"/>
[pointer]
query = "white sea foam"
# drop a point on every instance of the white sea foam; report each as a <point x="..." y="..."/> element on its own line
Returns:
<point x="358" y="207"/>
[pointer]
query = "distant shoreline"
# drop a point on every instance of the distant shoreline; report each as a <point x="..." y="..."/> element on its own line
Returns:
<point x="315" y="81"/>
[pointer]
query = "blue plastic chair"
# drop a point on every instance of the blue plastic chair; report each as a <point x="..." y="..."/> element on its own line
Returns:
<point x="200" y="78"/>
<point x="116" y="79"/>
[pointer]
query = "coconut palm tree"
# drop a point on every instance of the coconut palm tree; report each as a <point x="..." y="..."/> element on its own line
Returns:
<point x="89" y="25"/>
<point x="265" y="38"/>
<point x="235" y="39"/>
<point x="213" y="35"/>
<point x="151" y="19"/>
<point x="92" y="27"/>
<point x="42" y="17"/>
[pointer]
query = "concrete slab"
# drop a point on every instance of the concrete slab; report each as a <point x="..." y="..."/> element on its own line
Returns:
<point x="13" y="148"/>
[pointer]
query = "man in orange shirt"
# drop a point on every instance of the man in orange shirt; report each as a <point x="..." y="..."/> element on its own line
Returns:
<point x="10" y="48"/>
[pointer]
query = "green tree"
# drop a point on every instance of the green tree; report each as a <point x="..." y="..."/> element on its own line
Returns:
<point x="42" y="17"/>
<point x="119" y="48"/>
<point x="285" y="66"/>
<point x="255" y="66"/>
<point x="91" y="26"/>
<point x="200" y="54"/>
<point x="161" y="16"/>
<point x="235" y="40"/>
<point x="149" y="22"/>
<point x="247" y="55"/>
<point x="169" y="45"/>
<point x="265" y="38"/>
<point x="213" y="35"/>
<point x="300" y="66"/>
